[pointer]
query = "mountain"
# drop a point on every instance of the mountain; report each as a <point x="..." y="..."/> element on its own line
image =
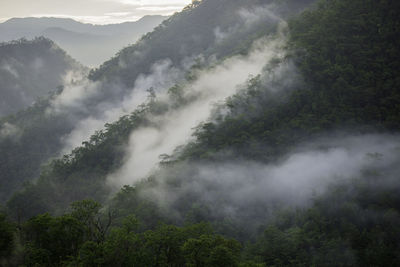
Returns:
<point x="266" y="136"/>
<point x="30" y="70"/>
<point x="208" y="30"/>
<point x="90" y="44"/>
<point x="84" y="106"/>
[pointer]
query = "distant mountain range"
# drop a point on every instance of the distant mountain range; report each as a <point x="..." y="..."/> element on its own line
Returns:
<point x="88" y="43"/>
<point x="236" y="133"/>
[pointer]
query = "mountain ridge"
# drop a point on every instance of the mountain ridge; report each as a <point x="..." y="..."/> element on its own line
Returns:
<point x="30" y="70"/>
<point x="276" y="144"/>
<point x="113" y="36"/>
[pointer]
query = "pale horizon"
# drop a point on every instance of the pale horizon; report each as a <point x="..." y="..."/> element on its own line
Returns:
<point x="99" y="12"/>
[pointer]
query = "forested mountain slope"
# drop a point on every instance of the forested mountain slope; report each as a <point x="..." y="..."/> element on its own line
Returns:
<point x="294" y="153"/>
<point x="350" y="83"/>
<point x="210" y="29"/>
<point x="30" y="70"/>
<point x="84" y="106"/>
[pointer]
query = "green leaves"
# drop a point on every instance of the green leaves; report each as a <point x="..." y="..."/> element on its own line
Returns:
<point x="7" y="230"/>
<point x="211" y="250"/>
<point x="49" y="240"/>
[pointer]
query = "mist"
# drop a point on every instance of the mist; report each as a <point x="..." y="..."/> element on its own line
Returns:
<point x="90" y="105"/>
<point x="8" y="130"/>
<point x="89" y="44"/>
<point x="85" y="102"/>
<point x="235" y="133"/>
<point x="31" y="70"/>
<point x="249" y="192"/>
<point x="248" y="18"/>
<point x="175" y="127"/>
<point x="93" y="104"/>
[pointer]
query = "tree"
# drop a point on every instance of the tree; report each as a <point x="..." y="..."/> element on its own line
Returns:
<point x="88" y="213"/>
<point x="211" y="250"/>
<point x="7" y="230"/>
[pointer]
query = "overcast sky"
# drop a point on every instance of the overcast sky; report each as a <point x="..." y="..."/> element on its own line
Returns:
<point x="91" y="11"/>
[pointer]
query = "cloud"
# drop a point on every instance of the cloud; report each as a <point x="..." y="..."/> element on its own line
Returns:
<point x="106" y="18"/>
<point x="248" y="192"/>
<point x="159" y="3"/>
<point x="253" y="15"/>
<point x="247" y="18"/>
<point x="10" y="69"/>
<point x="175" y="127"/>
<point x="160" y="8"/>
<point x="74" y="95"/>
<point x="8" y="130"/>
<point x="91" y="11"/>
<point x="78" y="97"/>
<point x="118" y="14"/>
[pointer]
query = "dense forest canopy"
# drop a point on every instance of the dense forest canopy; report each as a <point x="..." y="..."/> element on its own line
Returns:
<point x="269" y="138"/>
<point x="62" y="122"/>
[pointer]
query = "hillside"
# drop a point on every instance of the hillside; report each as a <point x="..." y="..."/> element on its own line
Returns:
<point x="205" y="31"/>
<point x="83" y="106"/>
<point x="30" y="70"/>
<point x="90" y="44"/>
<point x="276" y="145"/>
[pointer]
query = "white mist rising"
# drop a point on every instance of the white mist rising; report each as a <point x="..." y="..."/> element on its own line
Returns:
<point x="246" y="19"/>
<point x="79" y="94"/>
<point x="248" y="191"/>
<point x="176" y="126"/>
<point x="8" y="130"/>
<point x="90" y="105"/>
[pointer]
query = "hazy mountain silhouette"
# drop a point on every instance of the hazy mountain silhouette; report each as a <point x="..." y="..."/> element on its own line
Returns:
<point x="30" y="70"/>
<point x="88" y="43"/>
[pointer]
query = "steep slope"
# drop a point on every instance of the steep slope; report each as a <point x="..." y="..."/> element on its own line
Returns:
<point x="307" y="150"/>
<point x="350" y="83"/>
<point x="207" y="30"/>
<point x="90" y="44"/>
<point x="30" y="70"/>
<point x="81" y="106"/>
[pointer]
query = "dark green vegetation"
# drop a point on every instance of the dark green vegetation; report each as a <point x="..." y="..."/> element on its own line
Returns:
<point x="61" y="181"/>
<point x="193" y="30"/>
<point x="40" y="132"/>
<point x="82" y="238"/>
<point x="30" y="137"/>
<point x="353" y="224"/>
<point x="347" y="57"/>
<point x="30" y="70"/>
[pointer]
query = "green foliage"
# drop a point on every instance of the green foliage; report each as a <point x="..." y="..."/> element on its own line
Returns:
<point x="81" y="174"/>
<point x="87" y="212"/>
<point x="348" y="59"/>
<point x="352" y="224"/>
<point x="192" y="32"/>
<point x="65" y="241"/>
<point x="56" y="241"/>
<point x="211" y="250"/>
<point x="7" y="230"/>
<point x="163" y="246"/>
<point x="50" y="241"/>
<point x="35" y="140"/>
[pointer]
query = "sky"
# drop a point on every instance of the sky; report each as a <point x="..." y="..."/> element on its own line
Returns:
<point x="90" y="11"/>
